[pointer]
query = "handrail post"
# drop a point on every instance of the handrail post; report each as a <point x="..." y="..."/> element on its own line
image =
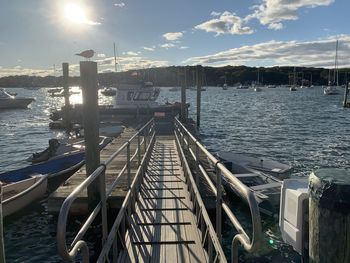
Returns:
<point x="144" y="141"/>
<point x="128" y="164"/>
<point x="197" y="164"/>
<point x="102" y="186"/>
<point x="218" y="203"/>
<point x="138" y="149"/>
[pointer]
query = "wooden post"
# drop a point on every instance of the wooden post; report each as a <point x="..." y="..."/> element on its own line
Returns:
<point x="2" y="243"/>
<point x="183" y="97"/>
<point x="199" y="89"/>
<point x="329" y="216"/>
<point x="67" y="122"/>
<point x="88" y="77"/>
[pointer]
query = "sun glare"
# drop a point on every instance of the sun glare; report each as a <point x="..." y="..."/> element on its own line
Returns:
<point x="75" y="13"/>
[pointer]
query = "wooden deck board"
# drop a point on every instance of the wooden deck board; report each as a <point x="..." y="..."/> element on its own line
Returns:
<point x="163" y="227"/>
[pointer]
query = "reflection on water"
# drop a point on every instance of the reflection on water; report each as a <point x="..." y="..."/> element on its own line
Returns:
<point x="305" y="128"/>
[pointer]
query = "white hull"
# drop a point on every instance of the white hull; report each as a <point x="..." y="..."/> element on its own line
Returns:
<point x="330" y="90"/>
<point x="20" y="194"/>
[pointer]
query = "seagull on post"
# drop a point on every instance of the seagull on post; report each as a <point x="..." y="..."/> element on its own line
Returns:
<point x="86" y="54"/>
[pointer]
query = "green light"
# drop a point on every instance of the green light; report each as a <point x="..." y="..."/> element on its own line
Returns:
<point x="271" y="242"/>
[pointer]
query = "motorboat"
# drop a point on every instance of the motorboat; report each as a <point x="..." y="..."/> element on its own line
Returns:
<point x="108" y="91"/>
<point x="8" y="101"/>
<point x="331" y="90"/>
<point x="271" y="86"/>
<point x="131" y="100"/>
<point x="257" y="89"/>
<point x="263" y="176"/>
<point x="293" y="88"/>
<point x="243" y="87"/>
<point x="225" y="87"/>
<point x="18" y="195"/>
<point x="59" y="161"/>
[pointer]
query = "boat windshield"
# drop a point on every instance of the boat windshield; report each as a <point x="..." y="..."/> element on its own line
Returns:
<point x="4" y="94"/>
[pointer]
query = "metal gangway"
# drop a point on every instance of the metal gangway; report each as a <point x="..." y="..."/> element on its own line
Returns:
<point x="163" y="217"/>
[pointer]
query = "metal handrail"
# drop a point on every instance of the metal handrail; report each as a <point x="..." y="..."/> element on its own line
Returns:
<point x="125" y="210"/>
<point x="203" y="219"/>
<point x="249" y="244"/>
<point x="79" y="245"/>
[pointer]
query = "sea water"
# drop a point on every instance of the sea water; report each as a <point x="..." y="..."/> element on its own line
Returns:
<point x="304" y="128"/>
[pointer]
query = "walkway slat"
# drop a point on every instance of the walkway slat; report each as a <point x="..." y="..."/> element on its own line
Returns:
<point x="163" y="227"/>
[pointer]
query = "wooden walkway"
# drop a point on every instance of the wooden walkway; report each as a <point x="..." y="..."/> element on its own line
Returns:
<point x="80" y="206"/>
<point x="163" y="228"/>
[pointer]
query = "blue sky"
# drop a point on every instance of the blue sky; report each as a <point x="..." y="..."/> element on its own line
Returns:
<point x="36" y="34"/>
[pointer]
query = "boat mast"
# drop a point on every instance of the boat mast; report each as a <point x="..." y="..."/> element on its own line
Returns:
<point x="335" y="73"/>
<point x="115" y="58"/>
<point x="258" y="76"/>
<point x="294" y="75"/>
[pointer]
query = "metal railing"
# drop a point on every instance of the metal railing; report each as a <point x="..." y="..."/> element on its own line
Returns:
<point x="187" y="142"/>
<point x="209" y="237"/>
<point x="147" y="132"/>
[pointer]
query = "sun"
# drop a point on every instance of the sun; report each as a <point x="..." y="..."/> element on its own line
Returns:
<point x="75" y="13"/>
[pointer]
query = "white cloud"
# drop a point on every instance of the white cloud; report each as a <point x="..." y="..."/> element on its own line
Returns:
<point x="101" y="55"/>
<point x="273" y="12"/>
<point x="183" y="47"/>
<point x="129" y="62"/>
<point x="18" y="70"/>
<point x="121" y="5"/>
<point x="167" y="45"/>
<point x="130" y="53"/>
<point x="172" y="36"/>
<point x="214" y="13"/>
<point x="227" y="23"/>
<point x="317" y="53"/>
<point x="149" y="48"/>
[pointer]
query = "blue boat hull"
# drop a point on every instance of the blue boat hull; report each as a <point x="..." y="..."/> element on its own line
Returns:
<point x="51" y="167"/>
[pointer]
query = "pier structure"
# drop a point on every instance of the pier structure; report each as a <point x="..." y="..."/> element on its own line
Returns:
<point x="163" y="215"/>
<point x="161" y="180"/>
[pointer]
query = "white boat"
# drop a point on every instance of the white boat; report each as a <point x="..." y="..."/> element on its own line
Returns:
<point x="332" y="88"/>
<point x="8" y="101"/>
<point x="243" y="87"/>
<point x="108" y="91"/>
<point x="256" y="85"/>
<point x="20" y="194"/>
<point x="263" y="176"/>
<point x="141" y="95"/>
<point x="225" y="87"/>
<point x="294" y="87"/>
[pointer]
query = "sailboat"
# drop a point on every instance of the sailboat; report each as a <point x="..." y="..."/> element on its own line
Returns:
<point x="293" y="87"/>
<point x="256" y="86"/>
<point x="331" y="89"/>
<point x="225" y="87"/>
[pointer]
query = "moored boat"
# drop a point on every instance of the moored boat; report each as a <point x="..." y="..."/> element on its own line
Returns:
<point x="108" y="91"/>
<point x="8" y="101"/>
<point x="18" y="195"/>
<point x="58" y="161"/>
<point x="260" y="175"/>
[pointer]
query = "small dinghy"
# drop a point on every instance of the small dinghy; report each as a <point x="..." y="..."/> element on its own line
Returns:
<point x="258" y="176"/>
<point x="20" y="194"/>
<point x="59" y="161"/>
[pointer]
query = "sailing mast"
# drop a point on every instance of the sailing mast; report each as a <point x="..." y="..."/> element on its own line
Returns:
<point x="335" y="74"/>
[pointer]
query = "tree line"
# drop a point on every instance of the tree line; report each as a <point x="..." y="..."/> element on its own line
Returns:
<point x="174" y="75"/>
